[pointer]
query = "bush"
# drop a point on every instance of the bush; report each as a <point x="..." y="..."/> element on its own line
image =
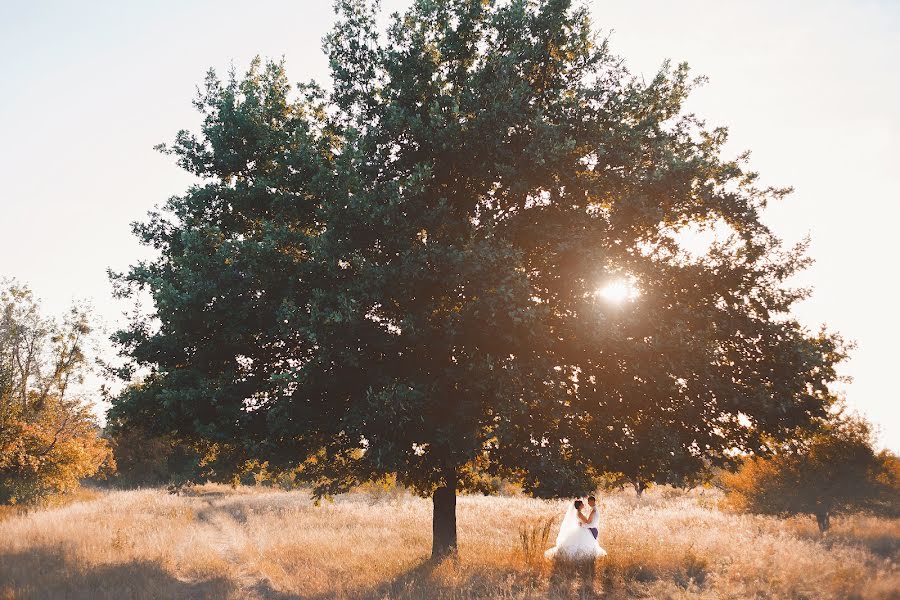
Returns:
<point x="49" y="453"/>
<point x="144" y="460"/>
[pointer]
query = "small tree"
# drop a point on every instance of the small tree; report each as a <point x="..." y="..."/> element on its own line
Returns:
<point x="49" y="439"/>
<point x="833" y="471"/>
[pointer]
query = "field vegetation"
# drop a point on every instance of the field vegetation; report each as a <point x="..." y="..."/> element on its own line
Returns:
<point x="253" y="542"/>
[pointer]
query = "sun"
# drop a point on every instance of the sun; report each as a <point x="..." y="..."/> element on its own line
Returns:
<point x="617" y="291"/>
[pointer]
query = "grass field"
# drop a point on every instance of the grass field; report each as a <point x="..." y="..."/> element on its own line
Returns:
<point x="218" y="542"/>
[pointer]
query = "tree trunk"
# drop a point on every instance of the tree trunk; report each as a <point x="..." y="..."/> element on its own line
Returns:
<point x="824" y="521"/>
<point x="639" y="487"/>
<point x="443" y="524"/>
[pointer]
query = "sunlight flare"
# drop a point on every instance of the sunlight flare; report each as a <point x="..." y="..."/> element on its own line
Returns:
<point x="618" y="291"/>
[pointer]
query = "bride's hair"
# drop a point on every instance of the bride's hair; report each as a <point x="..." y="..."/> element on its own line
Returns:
<point x="579" y="504"/>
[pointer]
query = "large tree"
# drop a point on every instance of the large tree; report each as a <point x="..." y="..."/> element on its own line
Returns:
<point x="400" y="276"/>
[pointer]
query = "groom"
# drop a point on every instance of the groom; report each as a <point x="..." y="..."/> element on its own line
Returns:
<point x="593" y="522"/>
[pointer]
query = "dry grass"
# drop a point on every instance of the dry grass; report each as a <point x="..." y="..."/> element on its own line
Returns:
<point x="253" y="543"/>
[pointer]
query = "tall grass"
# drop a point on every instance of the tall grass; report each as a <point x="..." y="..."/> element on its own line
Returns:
<point x="217" y="542"/>
<point x="534" y="538"/>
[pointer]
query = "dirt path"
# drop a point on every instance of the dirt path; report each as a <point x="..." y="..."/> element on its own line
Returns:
<point x="224" y="525"/>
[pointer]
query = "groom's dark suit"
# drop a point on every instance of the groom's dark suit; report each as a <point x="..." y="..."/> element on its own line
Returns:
<point x="594" y="531"/>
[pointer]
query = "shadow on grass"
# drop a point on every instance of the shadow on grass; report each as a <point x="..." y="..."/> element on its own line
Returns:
<point x="568" y="581"/>
<point x="872" y="536"/>
<point x="573" y="579"/>
<point x="419" y="582"/>
<point x="45" y="574"/>
<point x="415" y="582"/>
<point x="418" y="578"/>
<point x="236" y="512"/>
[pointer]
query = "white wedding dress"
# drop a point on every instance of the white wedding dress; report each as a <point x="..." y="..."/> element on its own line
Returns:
<point x="574" y="542"/>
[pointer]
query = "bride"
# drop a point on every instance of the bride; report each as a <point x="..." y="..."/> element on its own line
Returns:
<point x="575" y="541"/>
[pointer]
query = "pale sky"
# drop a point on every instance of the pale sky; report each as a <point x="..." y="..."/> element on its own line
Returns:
<point x="812" y="87"/>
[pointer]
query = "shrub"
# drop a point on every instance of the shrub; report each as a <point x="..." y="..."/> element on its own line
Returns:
<point x="143" y="459"/>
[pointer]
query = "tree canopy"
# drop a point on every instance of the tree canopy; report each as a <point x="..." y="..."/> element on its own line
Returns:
<point x="398" y="276"/>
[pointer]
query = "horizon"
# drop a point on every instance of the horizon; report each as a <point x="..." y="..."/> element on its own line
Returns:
<point x="95" y="92"/>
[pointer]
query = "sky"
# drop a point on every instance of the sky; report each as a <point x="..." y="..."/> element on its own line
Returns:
<point x="811" y="87"/>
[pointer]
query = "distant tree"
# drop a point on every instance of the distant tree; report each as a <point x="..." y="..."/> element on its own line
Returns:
<point x="398" y="279"/>
<point x="647" y="455"/>
<point x="49" y="439"/>
<point x="833" y="471"/>
<point x="151" y="460"/>
<point x="889" y="481"/>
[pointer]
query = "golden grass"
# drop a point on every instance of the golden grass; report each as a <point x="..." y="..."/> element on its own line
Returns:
<point x="80" y="494"/>
<point x="255" y="543"/>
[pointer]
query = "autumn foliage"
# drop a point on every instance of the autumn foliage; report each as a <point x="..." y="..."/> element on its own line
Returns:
<point x="833" y="471"/>
<point x="49" y="440"/>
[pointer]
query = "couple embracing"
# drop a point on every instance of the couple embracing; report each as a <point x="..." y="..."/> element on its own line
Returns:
<point x="578" y="533"/>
